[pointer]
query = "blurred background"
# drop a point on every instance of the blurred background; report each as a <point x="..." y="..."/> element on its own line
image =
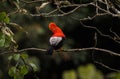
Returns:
<point x="68" y="65"/>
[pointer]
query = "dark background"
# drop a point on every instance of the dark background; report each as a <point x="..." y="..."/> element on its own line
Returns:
<point x="77" y="36"/>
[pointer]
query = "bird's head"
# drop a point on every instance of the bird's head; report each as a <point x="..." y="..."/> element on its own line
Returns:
<point x="56" y="30"/>
<point x="52" y="26"/>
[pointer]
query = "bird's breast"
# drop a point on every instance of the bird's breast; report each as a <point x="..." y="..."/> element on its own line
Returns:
<point x="54" y="41"/>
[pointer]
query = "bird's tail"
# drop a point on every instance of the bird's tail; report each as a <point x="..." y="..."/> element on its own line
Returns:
<point x="50" y="50"/>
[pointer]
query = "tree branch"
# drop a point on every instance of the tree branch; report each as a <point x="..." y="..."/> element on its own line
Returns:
<point x="65" y="50"/>
<point x="116" y="36"/>
<point x="29" y="2"/>
<point x="72" y="50"/>
<point x="29" y="49"/>
<point x="99" y="32"/>
<point x="77" y="6"/>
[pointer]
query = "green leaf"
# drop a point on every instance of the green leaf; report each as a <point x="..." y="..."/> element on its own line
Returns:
<point x="6" y="20"/>
<point x="98" y="75"/>
<point x="23" y="70"/>
<point x="7" y="31"/>
<point x="2" y="40"/>
<point x="18" y="76"/>
<point x="7" y="41"/>
<point x="17" y="73"/>
<point x="16" y="57"/>
<point x="35" y="68"/>
<point x="114" y="75"/>
<point x="24" y="55"/>
<point x="12" y="71"/>
<point x="69" y="74"/>
<point x="4" y="17"/>
<point x="89" y="72"/>
<point x="10" y="57"/>
<point x="8" y="36"/>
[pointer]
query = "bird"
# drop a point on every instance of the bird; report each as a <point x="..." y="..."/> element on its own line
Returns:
<point x="57" y="38"/>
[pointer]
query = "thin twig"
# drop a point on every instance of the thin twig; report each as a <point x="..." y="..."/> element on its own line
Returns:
<point x="29" y="2"/>
<point x="29" y="49"/>
<point x="93" y="17"/>
<point x="116" y="35"/>
<point x="12" y="13"/>
<point x="107" y="5"/>
<point x="99" y="32"/>
<point x="96" y="8"/>
<point x="95" y="44"/>
<point x="77" y="6"/>
<point x="116" y="70"/>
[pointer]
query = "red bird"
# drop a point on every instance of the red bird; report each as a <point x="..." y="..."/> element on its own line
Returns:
<point x="57" y="39"/>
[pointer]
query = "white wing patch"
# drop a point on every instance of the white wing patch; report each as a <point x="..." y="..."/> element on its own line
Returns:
<point x="55" y="40"/>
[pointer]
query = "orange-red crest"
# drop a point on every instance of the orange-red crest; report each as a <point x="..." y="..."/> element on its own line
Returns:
<point x="56" y="30"/>
<point x="52" y="26"/>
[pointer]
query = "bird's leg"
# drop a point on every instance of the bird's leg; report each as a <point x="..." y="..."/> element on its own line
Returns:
<point x="60" y="49"/>
<point x="54" y="51"/>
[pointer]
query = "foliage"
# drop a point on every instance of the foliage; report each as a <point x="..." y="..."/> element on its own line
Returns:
<point x="89" y="72"/>
<point x="18" y="73"/>
<point x="6" y="35"/>
<point x="21" y="68"/>
<point x="69" y="74"/>
<point x="114" y="75"/>
<point x="83" y="72"/>
<point x="4" y="17"/>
